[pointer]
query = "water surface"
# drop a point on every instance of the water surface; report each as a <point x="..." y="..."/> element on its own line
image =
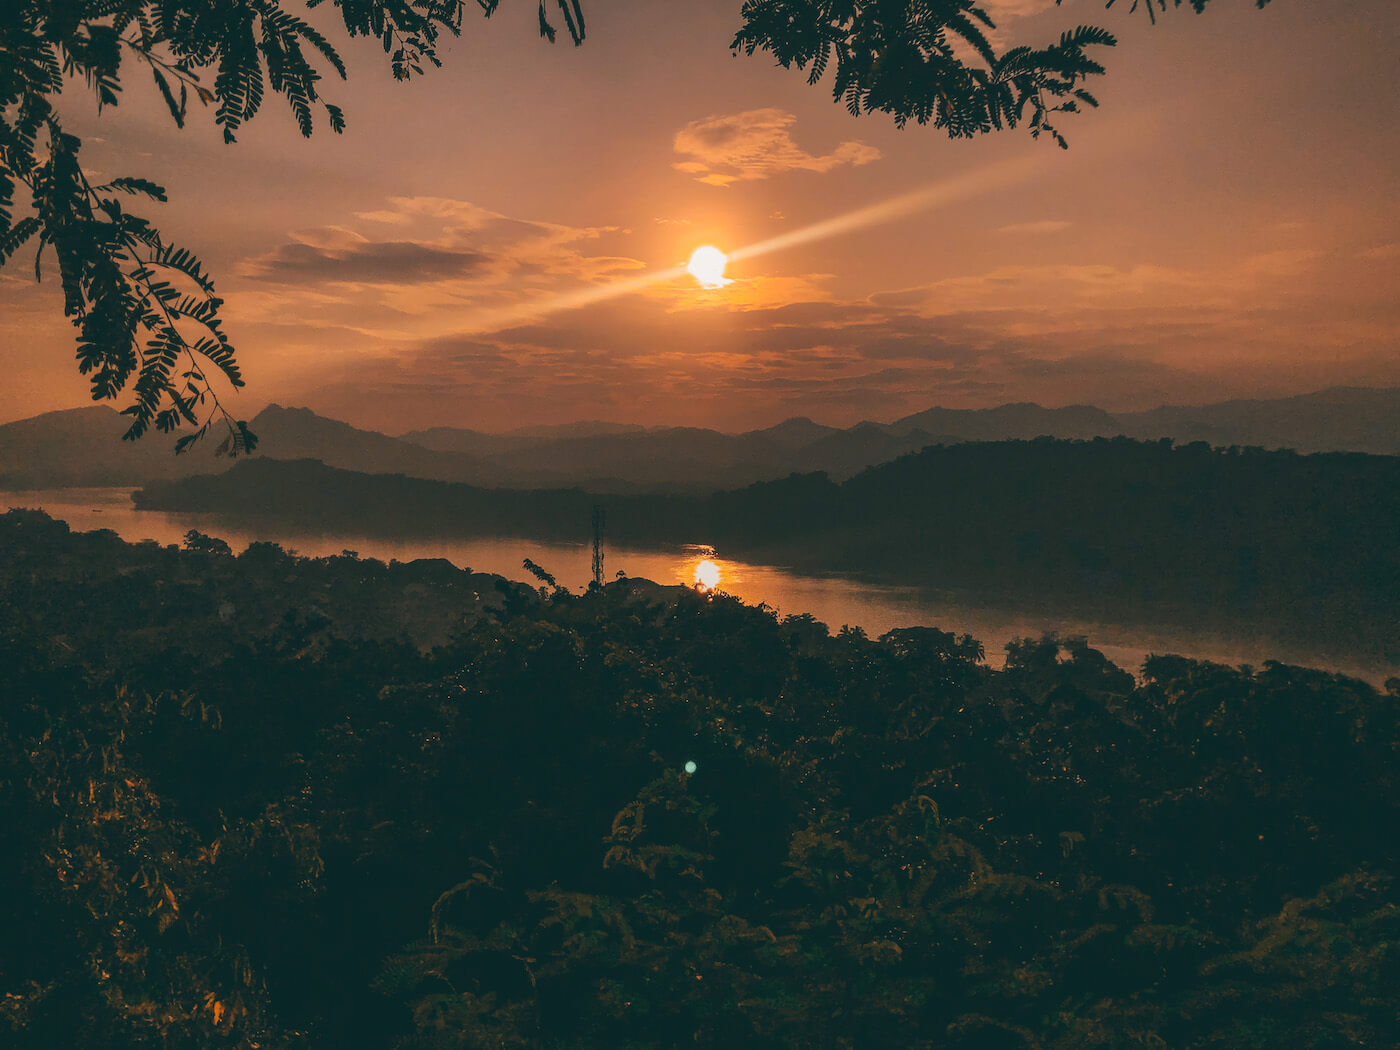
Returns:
<point x="833" y="599"/>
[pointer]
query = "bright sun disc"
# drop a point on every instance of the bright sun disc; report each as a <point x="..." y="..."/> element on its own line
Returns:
<point x="707" y="265"/>
<point x="707" y="575"/>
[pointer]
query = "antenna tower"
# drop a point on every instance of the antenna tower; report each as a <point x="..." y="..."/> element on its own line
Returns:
<point x="598" y="521"/>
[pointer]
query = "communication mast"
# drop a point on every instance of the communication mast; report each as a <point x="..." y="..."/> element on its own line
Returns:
<point x="598" y="521"/>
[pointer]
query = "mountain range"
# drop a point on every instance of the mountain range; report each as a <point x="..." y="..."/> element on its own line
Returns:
<point x="82" y="447"/>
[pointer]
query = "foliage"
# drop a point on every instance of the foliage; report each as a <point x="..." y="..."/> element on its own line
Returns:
<point x="910" y="60"/>
<point x="198" y="541"/>
<point x="1153" y="6"/>
<point x="294" y="839"/>
<point x="932" y="60"/>
<point x="146" y="311"/>
<point x="546" y="578"/>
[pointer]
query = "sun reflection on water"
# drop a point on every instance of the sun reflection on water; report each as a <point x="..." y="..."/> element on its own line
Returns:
<point x="701" y="568"/>
<point x="707" y="575"/>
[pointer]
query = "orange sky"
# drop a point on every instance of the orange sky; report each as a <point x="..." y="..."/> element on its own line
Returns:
<point x="1225" y="225"/>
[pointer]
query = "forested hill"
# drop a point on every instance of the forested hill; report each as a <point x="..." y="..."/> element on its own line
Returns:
<point x="593" y="823"/>
<point x="1309" y="543"/>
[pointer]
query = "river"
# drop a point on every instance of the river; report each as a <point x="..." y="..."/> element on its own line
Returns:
<point x="835" y="600"/>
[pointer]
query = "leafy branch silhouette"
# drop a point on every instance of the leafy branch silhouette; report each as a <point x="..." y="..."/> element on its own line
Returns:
<point x="911" y="60"/>
<point x="146" y="310"/>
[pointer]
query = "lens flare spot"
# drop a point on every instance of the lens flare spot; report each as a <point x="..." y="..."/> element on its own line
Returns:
<point x="707" y="575"/>
<point x="707" y="265"/>
<point x="691" y="767"/>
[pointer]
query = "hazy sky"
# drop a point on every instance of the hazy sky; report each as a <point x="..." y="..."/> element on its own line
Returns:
<point x="1225" y="225"/>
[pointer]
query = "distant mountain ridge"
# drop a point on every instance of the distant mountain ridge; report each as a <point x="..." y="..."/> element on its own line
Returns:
<point x="1015" y="422"/>
<point x="483" y="443"/>
<point x="81" y="447"/>
<point x="1340" y="419"/>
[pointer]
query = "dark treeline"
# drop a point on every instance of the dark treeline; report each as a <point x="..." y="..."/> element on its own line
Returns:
<point x="216" y="833"/>
<point x="1307" y="545"/>
<point x="68" y="585"/>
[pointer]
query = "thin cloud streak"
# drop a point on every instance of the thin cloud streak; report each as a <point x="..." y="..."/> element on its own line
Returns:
<point x="942" y="193"/>
<point x="511" y="316"/>
<point x="948" y="191"/>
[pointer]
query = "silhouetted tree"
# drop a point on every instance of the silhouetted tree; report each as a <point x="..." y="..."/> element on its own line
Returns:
<point x="545" y="577"/>
<point x="201" y="544"/>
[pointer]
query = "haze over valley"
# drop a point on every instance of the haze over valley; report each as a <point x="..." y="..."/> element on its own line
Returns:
<point x="81" y="447"/>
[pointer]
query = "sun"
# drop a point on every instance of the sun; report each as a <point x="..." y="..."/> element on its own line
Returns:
<point x="707" y="265"/>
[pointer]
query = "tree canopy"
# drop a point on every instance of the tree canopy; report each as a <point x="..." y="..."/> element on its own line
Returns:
<point x="238" y="811"/>
<point x="146" y="310"/>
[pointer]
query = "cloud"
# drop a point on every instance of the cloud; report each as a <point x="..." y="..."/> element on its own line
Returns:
<point x="455" y="215"/>
<point x="755" y="144"/>
<point x="743" y="292"/>
<point x="1125" y="334"/>
<point x="1068" y="290"/>
<point x="371" y="262"/>
<point x="1044" y="226"/>
<point x="1382" y="252"/>
<point x="441" y="261"/>
<point x="645" y="359"/>
<point x="1000" y="9"/>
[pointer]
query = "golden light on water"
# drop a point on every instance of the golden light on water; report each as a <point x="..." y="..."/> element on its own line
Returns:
<point x="707" y="575"/>
<point x="707" y="265"/>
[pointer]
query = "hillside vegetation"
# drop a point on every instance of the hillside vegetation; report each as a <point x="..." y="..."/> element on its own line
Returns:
<point x="602" y="822"/>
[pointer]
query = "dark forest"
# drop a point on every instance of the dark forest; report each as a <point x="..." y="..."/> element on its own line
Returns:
<point x="606" y="821"/>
